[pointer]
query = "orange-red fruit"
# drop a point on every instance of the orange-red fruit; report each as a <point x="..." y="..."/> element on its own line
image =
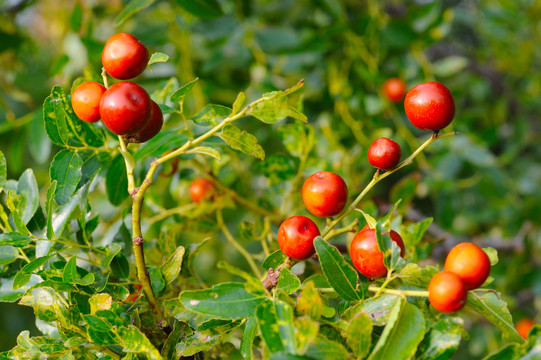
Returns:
<point x="85" y="100"/>
<point x="470" y="263"/>
<point x="325" y="194"/>
<point x="394" y="89"/>
<point x="124" y="56"/>
<point x="384" y="153"/>
<point x="447" y="292"/>
<point x="523" y="327"/>
<point x="153" y="127"/>
<point x="366" y="255"/>
<point x="430" y="106"/>
<point x="296" y="237"/>
<point x="125" y="108"/>
<point x="202" y="189"/>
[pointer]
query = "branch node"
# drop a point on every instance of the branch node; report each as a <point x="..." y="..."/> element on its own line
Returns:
<point x="138" y="240"/>
<point x="271" y="280"/>
<point x="134" y="192"/>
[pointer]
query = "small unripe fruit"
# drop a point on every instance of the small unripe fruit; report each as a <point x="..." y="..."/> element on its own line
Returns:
<point x="447" y="292"/>
<point x="202" y="189"/>
<point x="124" y="56"/>
<point x="430" y="106"/>
<point x="85" y="100"/>
<point x="153" y="127"/>
<point x="394" y="89"/>
<point x="296" y="237"/>
<point x="366" y="255"/>
<point x="384" y="154"/>
<point x="125" y="108"/>
<point x="524" y="326"/>
<point x="470" y="263"/>
<point x="325" y="194"/>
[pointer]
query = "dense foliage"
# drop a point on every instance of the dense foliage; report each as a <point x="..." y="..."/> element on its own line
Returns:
<point x="257" y="96"/>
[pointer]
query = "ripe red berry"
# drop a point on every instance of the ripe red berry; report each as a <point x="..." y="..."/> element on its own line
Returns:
<point x="394" y="89"/>
<point x="523" y="327"/>
<point x="430" y="106"/>
<point x="153" y="127"/>
<point x="325" y="194"/>
<point x="470" y="263"/>
<point x="202" y="189"/>
<point x="296" y="237"/>
<point x="124" y="56"/>
<point x="366" y="255"/>
<point x="384" y="153"/>
<point x="447" y="292"/>
<point x="85" y="100"/>
<point x="125" y="108"/>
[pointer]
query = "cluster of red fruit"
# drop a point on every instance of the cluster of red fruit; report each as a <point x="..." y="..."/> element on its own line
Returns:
<point x="125" y="108"/>
<point x="467" y="267"/>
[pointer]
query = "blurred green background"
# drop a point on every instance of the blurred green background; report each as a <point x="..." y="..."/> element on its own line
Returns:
<point x="482" y="185"/>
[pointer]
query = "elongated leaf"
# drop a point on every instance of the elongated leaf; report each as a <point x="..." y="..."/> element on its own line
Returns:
<point x="178" y="95"/>
<point x="15" y="239"/>
<point x="275" y="109"/>
<point x="158" y="57"/>
<point x="405" y="330"/>
<point x="3" y="171"/>
<point x="391" y="251"/>
<point x="204" y="150"/>
<point x="276" y="325"/>
<point x="23" y="276"/>
<point x="241" y="140"/>
<point x="227" y="300"/>
<point x="414" y="275"/>
<point x="116" y="181"/>
<point x="71" y="275"/>
<point x="8" y="294"/>
<point x="274" y="260"/>
<point x="239" y="102"/>
<point x="171" y="268"/>
<point x="15" y="215"/>
<point x="413" y="234"/>
<point x="205" y="9"/>
<point x="66" y="171"/>
<point x="131" y="9"/>
<point x="248" y="336"/>
<point x="27" y="187"/>
<point x="211" y="114"/>
<point x="359" y="335"/>
<point x="203" y="341"/>
<point x="324" y="349"/>
<point x="495" y="310"/>
<point x="159" y="144"/>
<point x="341" y="276"/>
<point x="49" y="206"/>
<point x="8" y="254"/>
<point x="134" y="341"/>
<point x="442" y="340"/>
<point x="378" y="309"/>
<point x="55" y="121"/>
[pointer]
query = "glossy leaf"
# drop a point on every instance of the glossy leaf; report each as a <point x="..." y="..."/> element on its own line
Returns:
<point x="247" y="340"/>
<point x="171" y="268"/>
<point x="274" y="260"/>
<point x="288" y="282"/>
<point x="116" y="182"/>
<point x="23" y="276"/>
<point x="442" y="340"/>
<point x="341" y="276"/>
<point x="178" y="95"/>
<point x="49" y="207"/>
<point x="391" y="252"/>
<point x="27" y="187"/>
<point x="8" y="254"/>
<point x="359" y="335"/>
<point x="276" y="325"/>
<point x="55" y="121"/>
<point x="66" y="171"/>
<point x="14" y="239"/>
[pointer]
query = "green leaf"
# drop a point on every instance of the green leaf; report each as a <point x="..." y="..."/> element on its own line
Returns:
<point x="76" y="17"/>
<point x="205" y="9"/>
<point x="210" y="114"/>
<point x="100" y="302"/>
<point x="179" y="94"/>
<point x="226" y="300"/>
<point x="156" y="279"/>
<point x="239" y="103"/>
<point x="442" y="340"/>
<point x="298" y="137"/>
<point x="180" y="313"/>
<point x="288" y="282"/>
<point x="306" y="330"/>
<point x="404" y="190"/>
<point x="49" y="206"/>
<point x="3" y="171"/>
<point x="274" y="108"/>
<point x="171" y="268"/>
<point x="276" y="325"/>
<point x="55" y="121"/>
<point x="359" y="335"/>
<point x="310" y="302"/>
<point x="248" y="336"/>
<point x="23" y="276"/>
<point x="341" y="276"/>
<point x="414" y="275"/>
<point x="27" y="187"/>
<point x="492" y="255"/>
<point x="8" y="294"/>
<point x="274" y="260"/>
<point x="391" y="251"/>
<point x="203" y="341"/>
<point x="19" y="224"/>
<point x="116" y="181"/>
<point x="508" y="352"/>
<point x="414" y="233"/>
<point x="253" y="284"/>
<point x="495" y="310"/>
<point x="131" y="9"/>
<point x="71" y="274"/>
<point x="15" y="239"/>
<point x="46" y="302"/>
<point x="8" y="254"/>
<point x="158" y="57"/>
<point x="120" y="266"/>
<point x="241" y="140"/>
<point x="277" y="169"/>
<point x="164" y="141"/>
<point x="324" y="349"/>
<point x="450" y="65"/>
<point x="66" y="171"/>
<point x="204" y="150"/>
<point x="378" y="309"/>
<point x="134" y="341"/>
<point x="405" y="329"/>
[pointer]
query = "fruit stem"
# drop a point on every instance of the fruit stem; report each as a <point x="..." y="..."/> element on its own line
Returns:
<point x="345" y="229"/>
<point x="235" y="244"/>
<point x="104" y="77"/>
<point x="376" y="289"/>
<point x="128" y="159"/>
<point x="378" y="177"/>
